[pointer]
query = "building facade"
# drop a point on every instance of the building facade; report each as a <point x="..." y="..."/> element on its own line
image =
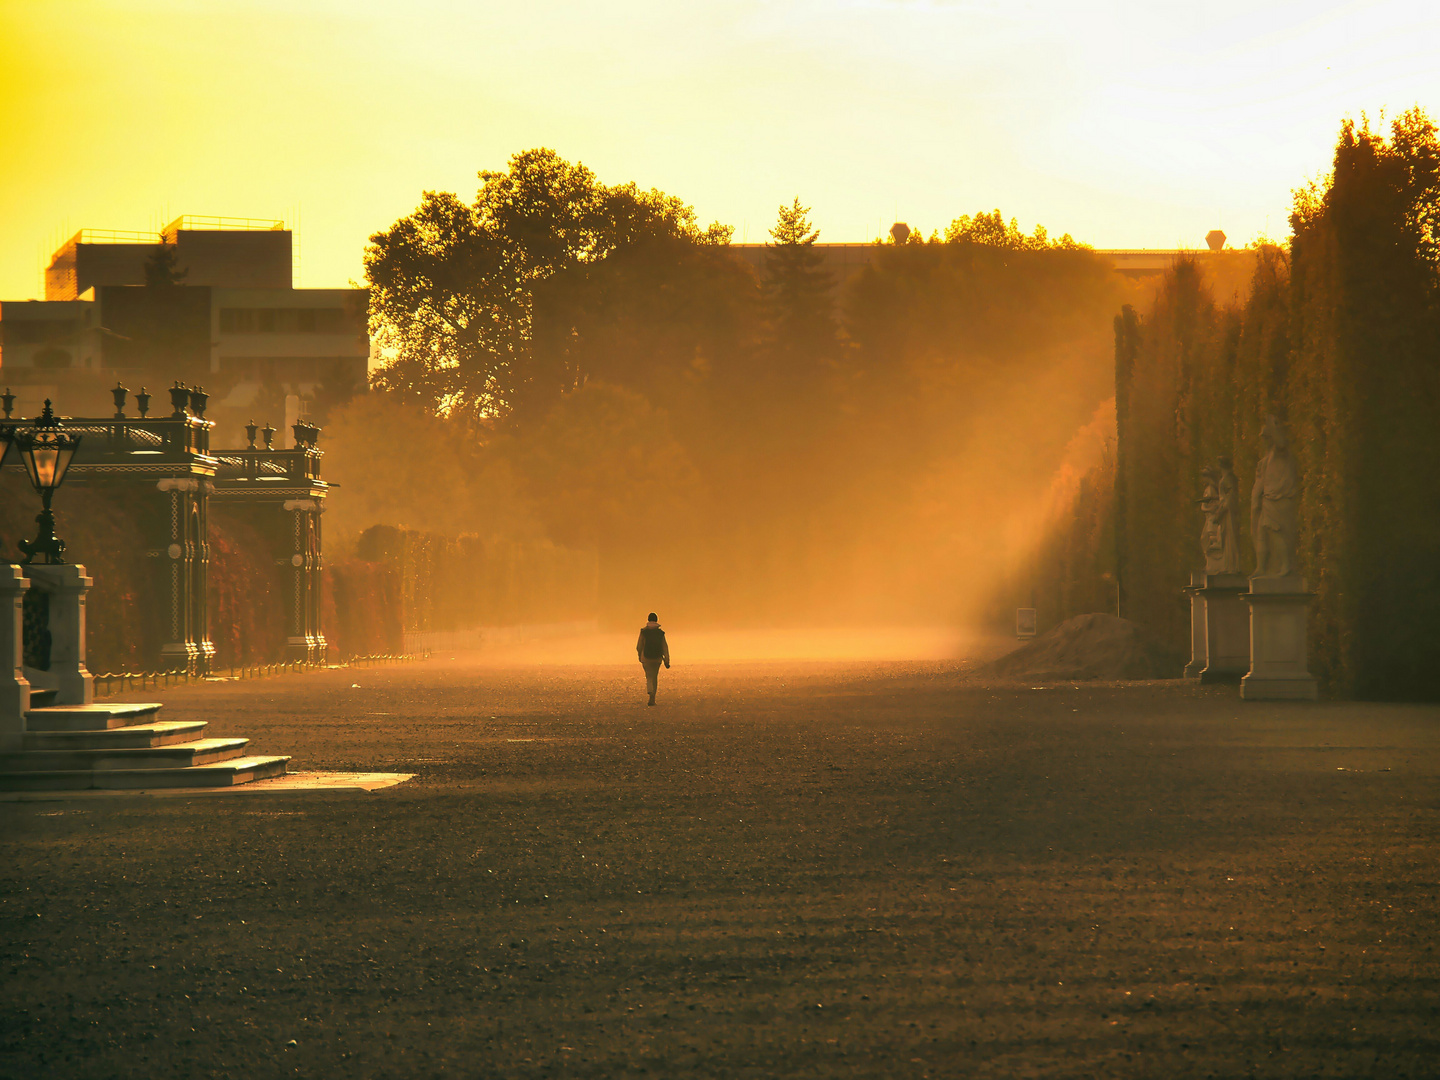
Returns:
<point x="209" y="301"/>
<point x="155" y="458"/>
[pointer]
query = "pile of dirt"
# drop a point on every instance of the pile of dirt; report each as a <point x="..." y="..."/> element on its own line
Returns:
<point x="1094" y="646"/>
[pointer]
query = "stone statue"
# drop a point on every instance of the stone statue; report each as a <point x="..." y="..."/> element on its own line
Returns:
<point x="1217" y="535"/>
<point x="1274" y="505"/>
<point x="1229" y="494"/>
<point x="1212" y="543"/>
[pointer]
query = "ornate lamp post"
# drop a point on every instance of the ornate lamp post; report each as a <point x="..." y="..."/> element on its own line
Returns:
<point x="47" y="451"/>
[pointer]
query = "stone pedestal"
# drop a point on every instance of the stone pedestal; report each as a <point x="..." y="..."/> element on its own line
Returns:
<point x="1227" y="628"/>
<point x="1197" y="625"/>
<point x="14" y="687"/>
<point x="1278" y="663"/>
<point x="64" y="670"/>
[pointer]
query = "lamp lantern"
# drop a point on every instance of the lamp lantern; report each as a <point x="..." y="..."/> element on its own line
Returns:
<point x="47" y="450"/>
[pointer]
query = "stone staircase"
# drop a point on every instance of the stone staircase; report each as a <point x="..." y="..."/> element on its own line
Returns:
<point x="78" y="747"/>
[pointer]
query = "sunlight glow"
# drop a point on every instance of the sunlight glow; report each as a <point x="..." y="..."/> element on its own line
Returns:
<point x="1125" y="124"/>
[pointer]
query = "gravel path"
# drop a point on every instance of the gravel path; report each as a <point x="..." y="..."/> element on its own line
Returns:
<point x="830" y="870"/>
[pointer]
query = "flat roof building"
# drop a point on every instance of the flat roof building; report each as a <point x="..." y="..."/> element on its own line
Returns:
<point x="219" y="309"/>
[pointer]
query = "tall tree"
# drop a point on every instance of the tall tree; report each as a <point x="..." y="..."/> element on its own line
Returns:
<point x="1362" y="390"/>
<point x="799" y="295"/>
<point x="453" y="284"/>
<point x="160" y="320"/>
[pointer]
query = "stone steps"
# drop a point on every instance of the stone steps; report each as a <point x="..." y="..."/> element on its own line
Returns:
<point x="88" y="717"/>
<point x="122" y="745"/>
<point x="160" y="733"/>
<point x="240" y="770"/>
<point x="175" y="755"/>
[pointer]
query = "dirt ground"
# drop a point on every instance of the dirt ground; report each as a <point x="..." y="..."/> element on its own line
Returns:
<point x="786" y="869"/>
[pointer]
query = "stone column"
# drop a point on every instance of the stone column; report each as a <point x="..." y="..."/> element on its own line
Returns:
<point x="1279" y="668"/>
<point x="319" y="648"/>
<point x="14" y="687"/>
<point x="299" y="642"/>
<point x="1227" y="629"/>
<point x="67" y="586"/>
<point x="1198" y="655"/>
<point x="179" y="652"/>
<point x="200" y="581"/>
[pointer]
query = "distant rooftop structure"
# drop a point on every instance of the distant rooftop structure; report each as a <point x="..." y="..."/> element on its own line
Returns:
<point x="233" y="322"/>
<point x="227" y="252"/>
<point x="845" y="260"/>
<point x="202" y="223"/>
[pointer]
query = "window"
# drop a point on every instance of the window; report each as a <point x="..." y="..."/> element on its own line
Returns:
<point x="283" y="320"/>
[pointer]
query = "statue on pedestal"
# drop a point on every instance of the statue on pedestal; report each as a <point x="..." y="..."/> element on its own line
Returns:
<point x="1225" y="512"/>
<point x="1212" y="544"/>
<point x="1217" y="536"/>
<point x="1274" y="505"/>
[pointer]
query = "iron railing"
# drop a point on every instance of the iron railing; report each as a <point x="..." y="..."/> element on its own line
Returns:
<point x="120" y="682"/>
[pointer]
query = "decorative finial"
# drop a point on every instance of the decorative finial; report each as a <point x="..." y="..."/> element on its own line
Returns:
<point x="179" y="399"/>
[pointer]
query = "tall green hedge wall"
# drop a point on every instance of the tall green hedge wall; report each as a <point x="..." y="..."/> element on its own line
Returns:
<point x="1340" y="336"/>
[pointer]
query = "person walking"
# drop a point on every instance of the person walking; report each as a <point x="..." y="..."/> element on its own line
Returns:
<point x="653" y="650"/>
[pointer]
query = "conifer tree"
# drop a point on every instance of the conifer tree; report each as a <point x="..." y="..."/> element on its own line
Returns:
<point x="161" y="329"/>
<point x="799" y="295"/>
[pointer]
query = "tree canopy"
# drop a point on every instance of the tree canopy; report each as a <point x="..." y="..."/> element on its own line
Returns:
<point x="613" y="371"/>
<point x="799" y="295"/>
<point x="992" y="230"/>
<point x="452" y="286"/>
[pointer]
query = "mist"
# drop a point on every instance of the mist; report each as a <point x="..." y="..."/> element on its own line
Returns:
<point x="734" y="437"/>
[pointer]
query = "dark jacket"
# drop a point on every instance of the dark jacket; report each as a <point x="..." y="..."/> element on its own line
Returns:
<point x="651" y="644"/>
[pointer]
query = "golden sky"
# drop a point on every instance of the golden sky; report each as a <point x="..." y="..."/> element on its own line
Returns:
<point x="1139" y="124"/>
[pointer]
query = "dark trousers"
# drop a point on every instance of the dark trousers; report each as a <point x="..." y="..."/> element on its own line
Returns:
<point x="652" y="674"/>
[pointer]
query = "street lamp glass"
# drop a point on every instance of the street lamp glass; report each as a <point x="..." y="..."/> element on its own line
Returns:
<point x="47" y="464"/>
<point x="47" y="451"/>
